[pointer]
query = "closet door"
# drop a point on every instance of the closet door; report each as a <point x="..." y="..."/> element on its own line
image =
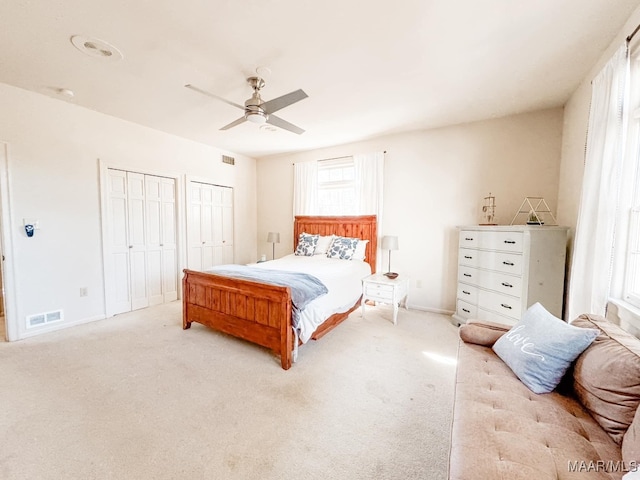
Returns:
<point x="136" y="203"/>
<point x="210" y="226"/>
<point x="141" y="229"/>
<point x="227" y="225"/>
<point x="161" y="239"/>
<point x="117" y="271"/>
<point x="169" y="245"/>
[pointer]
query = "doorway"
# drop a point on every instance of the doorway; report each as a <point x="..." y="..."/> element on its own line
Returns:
<point x="8" y="330"/>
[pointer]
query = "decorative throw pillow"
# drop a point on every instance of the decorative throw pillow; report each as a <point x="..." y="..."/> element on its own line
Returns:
<point x="342" y="248"/>
<point x="306" y="244"/>
<point x="540" y="348"/>
<point x="361" y="250"/>
<point x="324" y="242"/>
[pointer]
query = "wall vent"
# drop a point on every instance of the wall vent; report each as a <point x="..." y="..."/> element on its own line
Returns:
<point x="228" y="159"/>
<point x="44" y="318"/>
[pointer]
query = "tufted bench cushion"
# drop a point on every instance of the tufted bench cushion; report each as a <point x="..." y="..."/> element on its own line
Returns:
<point x="502" y="430"/>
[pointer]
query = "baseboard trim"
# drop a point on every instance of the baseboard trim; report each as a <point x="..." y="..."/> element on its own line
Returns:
<point x="431" y="309"/>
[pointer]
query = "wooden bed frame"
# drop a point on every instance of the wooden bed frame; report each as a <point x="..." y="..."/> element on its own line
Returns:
<point x="259" y="312"/>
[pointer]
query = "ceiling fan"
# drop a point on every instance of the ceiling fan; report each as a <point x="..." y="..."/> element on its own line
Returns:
<point x="257" y="110"/>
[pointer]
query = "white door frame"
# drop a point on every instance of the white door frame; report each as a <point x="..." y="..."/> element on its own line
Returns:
<point x="6" y="237"/>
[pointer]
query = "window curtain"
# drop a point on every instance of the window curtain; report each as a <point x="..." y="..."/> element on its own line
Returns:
<point x="593" y="249"/>
<point x="369" y="171"/>
<point x="305" y="188"/>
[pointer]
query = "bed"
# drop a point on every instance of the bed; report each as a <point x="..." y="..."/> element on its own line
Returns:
<point x="261" y="313"/>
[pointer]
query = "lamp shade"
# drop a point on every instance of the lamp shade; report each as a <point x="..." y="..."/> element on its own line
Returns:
<point x="389" y="242"/>
<point x="273" y="237"/>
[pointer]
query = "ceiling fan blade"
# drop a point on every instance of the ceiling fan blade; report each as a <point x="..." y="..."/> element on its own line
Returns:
<point x="278" y="122"/>
<point x="284" y="101"/>
<point x="234" y="123"/>
<point x="196" y="89"/>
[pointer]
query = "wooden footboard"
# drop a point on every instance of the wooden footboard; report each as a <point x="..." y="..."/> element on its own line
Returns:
<point x="256" y="312"/>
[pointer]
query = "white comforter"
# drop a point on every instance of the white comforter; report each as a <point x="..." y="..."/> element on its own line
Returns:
<point x="343" y="279"/>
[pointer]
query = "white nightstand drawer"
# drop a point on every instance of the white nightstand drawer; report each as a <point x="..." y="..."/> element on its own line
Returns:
<point x="468" y="293"/>
<point x="377" y="288"/>
<point x="379" y="295"/>
<point x="468" y="257"/>
<point x="466" y="310"/>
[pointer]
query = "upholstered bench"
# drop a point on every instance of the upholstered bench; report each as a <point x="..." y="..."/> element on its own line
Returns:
<point x="586" y="428"/>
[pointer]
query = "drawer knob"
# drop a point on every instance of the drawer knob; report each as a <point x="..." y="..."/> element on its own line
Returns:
<point x="504" y="305"/>
<point x="510" y="264"/>
<point x="468" y="257"/>
<point x="510" y="242"/>
<point x="467" y="274"/>
<point x="505" y="284"/>
<point x="466" y="293"/>
<point x="466" y="311"/>
<point x="468" y="239"/>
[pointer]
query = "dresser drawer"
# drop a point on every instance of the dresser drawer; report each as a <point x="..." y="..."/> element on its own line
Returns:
<point x="505" y="241"/>
<point x="466" y="310"/>
<point x="468" y="275"/>
<point x="502" y="283"/>
<point x="468" y="293"/>
<point x="502" y="304"/>
<point x="469" y="239"/>
<point x="468" y="257"/>
<point x="483" y="314"/>
<point x="376" y="291"/>
<point x="502" y="262"/>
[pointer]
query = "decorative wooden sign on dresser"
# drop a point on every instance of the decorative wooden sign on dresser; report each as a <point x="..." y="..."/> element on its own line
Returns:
<point x="503" y="270"/>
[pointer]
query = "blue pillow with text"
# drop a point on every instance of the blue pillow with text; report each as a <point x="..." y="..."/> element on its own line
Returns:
<point x="540" y="348"/>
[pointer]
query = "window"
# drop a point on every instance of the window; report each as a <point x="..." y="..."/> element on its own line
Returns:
<point x="337" y="187"/>
<point x="627" y="253"/>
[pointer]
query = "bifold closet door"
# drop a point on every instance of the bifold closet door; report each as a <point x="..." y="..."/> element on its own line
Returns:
<point x="161" y="239"/>
<point x="142" y="241"/>
<point x="210" y="228"/>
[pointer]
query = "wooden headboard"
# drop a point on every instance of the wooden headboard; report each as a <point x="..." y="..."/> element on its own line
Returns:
<point x="363" y="226"/>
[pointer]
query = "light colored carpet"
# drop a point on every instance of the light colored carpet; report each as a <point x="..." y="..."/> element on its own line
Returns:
<point x="136" y="397"/>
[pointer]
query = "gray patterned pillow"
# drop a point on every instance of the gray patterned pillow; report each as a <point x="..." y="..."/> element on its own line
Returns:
<point x="306" y="244"/>
<point x="342" y="248"/>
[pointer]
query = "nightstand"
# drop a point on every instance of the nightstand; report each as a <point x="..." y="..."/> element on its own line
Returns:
<point x="381" y="289"/>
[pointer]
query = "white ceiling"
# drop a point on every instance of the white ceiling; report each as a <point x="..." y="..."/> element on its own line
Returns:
<point x="369" y="68"/>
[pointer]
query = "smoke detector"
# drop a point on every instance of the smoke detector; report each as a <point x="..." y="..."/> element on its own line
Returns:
<point x="96" y="48"/>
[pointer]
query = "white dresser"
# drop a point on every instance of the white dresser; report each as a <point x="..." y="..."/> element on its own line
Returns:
<point x="503" y="270"/>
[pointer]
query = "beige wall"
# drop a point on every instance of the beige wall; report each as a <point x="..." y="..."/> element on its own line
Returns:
<point x="54" y="148"/>
<point x="434" y="181"/>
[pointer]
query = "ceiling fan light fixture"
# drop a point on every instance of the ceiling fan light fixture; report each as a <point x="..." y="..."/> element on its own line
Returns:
<point x="256" y="118"/>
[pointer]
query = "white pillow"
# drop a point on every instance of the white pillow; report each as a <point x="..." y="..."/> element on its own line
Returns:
<point x="323" y="244"/>
<point x="360" y="252"/>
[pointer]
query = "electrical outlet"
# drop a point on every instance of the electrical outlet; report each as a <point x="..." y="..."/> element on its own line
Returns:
<point x="84" y="291"/>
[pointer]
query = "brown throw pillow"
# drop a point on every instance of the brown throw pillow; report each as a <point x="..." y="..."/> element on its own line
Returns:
<point x="482" y="332"/>
<point x="606" y="376"/>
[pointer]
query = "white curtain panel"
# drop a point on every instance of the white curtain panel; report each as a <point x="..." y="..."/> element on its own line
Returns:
<point x="369" y="170"/>
<point x="590" y="276"/>
<point x="369" y="173"/>
<point x="305" y="188"/>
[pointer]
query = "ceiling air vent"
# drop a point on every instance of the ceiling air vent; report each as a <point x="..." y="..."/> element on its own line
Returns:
<point x="228" y="159"/>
